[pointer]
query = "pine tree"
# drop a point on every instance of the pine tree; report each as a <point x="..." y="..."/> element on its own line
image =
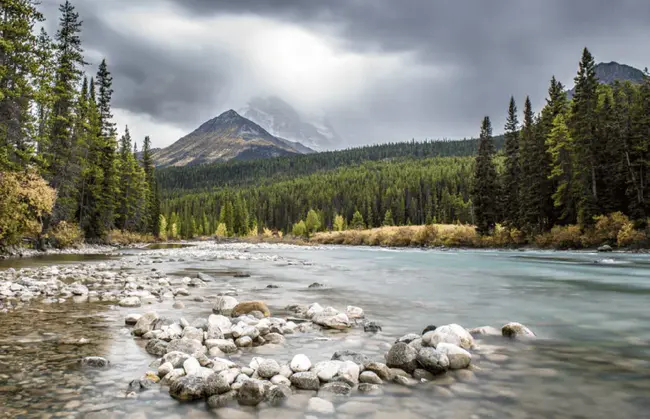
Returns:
<point x="388" y="218"/>
<point x="61" y="161"/>
<point x="512" y="174"/>
<point x="18" y="66"/>
<point x="561" y="148"/>
<point x="43" y="85"/>
<point x="132" y="185"/>
<point x="485" y="188"/>
<point x="357" y="222"/>
<point x="107" y="149"/>
<point x="583" y="132"/>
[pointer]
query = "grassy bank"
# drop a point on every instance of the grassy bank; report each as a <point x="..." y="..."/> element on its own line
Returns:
<point x="612" y="230"/>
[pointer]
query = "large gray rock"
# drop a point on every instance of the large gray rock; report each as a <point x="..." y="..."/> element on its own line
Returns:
<point x="130" y="302"/>
<point x="370" y="377"/>
<point x="200" y="323"/>
<point x="516" y="330"/>
<point x="305" y="380"/>
<point x="251" y="393"/>
<point x="326" y="370"/>
<point x="449" y="333"/>
<point x="191" y="366"/>
<point x="165" y="368"/>
<point x="268" y="368"/>
<point x="484" y="331"/>
<point x="433" y="360"/>
<point x="132" y="319"/>
<point x="277" y="395"/>
<point x="145" y="323"/>
<point x="189" y="346"/>
<point x="188" y="388"/>
<point x="222" y="400"/>
<point x="381" y="370"/>
<point x="402" y="356"/>
<point x="193" y="333"/>
<point x="349" y="372"/>
<point x="216" y="384"/>
<point x="300" y="363"/>
<point x="220" y="321"/>
<point x="227" y="346"/>
<point x="214" y="332"/>
<point x="173" y="376"/>
<point x="408" y="338"/>
<point x="338" y="321"/>
<point x="458" y="357"/>
<point x="224" y="305"/>
<point x="176" y="358"/>
<point x="156" y="347"/>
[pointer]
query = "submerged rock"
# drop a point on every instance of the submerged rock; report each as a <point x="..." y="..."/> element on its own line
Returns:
<point x="305" y="381"/>
<point x="450" y="333"/>
<point x="251" y="393"/>
<point x="347" y="355"/>
<point x="458" y="357"/>
<point x="484" y="331"/>
<point x="145" y="323"/>
<point x="605" y="248"/>
<point x="515" y="330"/>
<point x="95" y="362"/>
<point x="250" y="306"/>
<point x="371" y="327"/>
<point x="277" y="395"/>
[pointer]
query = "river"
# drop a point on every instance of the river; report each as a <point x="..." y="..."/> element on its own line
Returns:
<point x="589" y="311"/>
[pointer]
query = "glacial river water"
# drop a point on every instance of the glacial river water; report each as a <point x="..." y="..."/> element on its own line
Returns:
<point x="591" y="313"/>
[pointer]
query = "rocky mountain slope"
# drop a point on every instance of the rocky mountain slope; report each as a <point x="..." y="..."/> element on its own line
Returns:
<point x="282" y="120"/>
<point x="226" y="137"/>
<point x="608" y="73"/>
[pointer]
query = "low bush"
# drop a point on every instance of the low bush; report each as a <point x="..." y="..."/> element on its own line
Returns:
<point x="65" y="235"/>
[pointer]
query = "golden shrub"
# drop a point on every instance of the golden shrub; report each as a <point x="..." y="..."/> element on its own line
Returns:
<point x="122" y="238"/>
<point x="66" y="234"/>
<point x="627" y="235"/>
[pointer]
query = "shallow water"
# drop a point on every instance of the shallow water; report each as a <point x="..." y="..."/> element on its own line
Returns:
<point x="590" y="312"/>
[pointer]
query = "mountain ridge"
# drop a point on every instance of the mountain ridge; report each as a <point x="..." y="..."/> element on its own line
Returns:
<point x="228" y="136"/>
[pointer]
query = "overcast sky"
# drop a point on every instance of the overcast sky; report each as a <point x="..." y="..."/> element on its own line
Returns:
<point x="384" y="70"/>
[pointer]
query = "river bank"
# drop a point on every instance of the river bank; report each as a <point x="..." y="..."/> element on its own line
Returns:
<point x="592" y="354"/>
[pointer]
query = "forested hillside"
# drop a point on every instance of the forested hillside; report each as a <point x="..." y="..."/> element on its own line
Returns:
<point x="63" y="174"/>
<point x="178" y="179"/>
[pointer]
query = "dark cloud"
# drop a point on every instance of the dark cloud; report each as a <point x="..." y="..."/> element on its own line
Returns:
<point x="479" y="53"/>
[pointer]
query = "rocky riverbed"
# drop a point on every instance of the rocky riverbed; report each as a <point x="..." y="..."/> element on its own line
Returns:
<point x="242" y="331"/>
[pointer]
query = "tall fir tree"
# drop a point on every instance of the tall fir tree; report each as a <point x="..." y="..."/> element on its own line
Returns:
<point x="43" y="85"/>
<point x="582" y="124"/>
<point x="512" y="174"/>
<point x="108" y="151"/>
<point x="18" y="65"/>
<point x="61" y="162"/>
<point x="485" y="188"/>
<point x="561" y="148"/>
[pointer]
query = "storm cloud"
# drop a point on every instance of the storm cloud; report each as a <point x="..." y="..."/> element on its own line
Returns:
<point x="383" y="70"/>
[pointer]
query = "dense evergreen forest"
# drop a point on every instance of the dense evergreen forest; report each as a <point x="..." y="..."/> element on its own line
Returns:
<point x="178" y="180"/>
<point x="570" y="164"/>
<point x="63" y="173"/>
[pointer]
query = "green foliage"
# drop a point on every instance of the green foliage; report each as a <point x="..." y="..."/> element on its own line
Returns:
<point x="485" y="189"/>
<point x="299" y="229"/>
<point x="312" y="223"/>
<point x="357" y="222"/>
<point x="222" y="230"/>
<point x="339" y="223"/>
<point x="162" y="226"/>
<point x="388" y="218"/>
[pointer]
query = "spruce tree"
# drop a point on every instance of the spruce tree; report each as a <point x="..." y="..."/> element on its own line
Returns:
<point x="485" y="188"/>
<point x="61" y="159"/>
<point x="561" y="148"/>
<point x="18" y="65"/>
<point x="583" y="132"/>
<point x="388" y="218"/>
<point x="43" y="85"/>
<point x="512" y="175"/>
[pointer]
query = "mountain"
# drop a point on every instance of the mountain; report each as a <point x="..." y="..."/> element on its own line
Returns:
<point x="282" y="120"/>
<point x="226" y="137"/>
<point x="608" y="73"/>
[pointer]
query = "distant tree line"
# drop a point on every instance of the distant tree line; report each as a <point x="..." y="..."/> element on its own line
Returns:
<point x="56" y="124"/>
